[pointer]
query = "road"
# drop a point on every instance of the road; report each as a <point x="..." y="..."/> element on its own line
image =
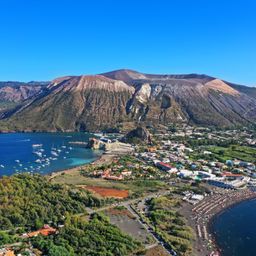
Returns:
<point x="128" y="204"/>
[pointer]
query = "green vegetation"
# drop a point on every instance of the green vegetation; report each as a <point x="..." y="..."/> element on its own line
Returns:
<point x="142" y="186"/>
<point x="227" y="152"/>
<point x="170" y="225"/>
<point x="7" y="238"/>
<point x="30" y="201"/>
<point x="195" y="187"/>
<point x="96" y="237"/>
<point x="243" y="153"/>
<point x="206" y="142"/>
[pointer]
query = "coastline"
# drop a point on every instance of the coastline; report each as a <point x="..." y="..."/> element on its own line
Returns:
<point x="210" y="223"/>
<point x="104" y="158"/>
<point x="57" y="169"/>
<point x="200" y="217"/>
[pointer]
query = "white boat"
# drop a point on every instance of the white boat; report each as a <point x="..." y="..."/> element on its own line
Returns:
<point x="37" y="145"/>
<point x="54" y="153"/>
<point x="17" y="161"/>
<point x="98" y="134"/>
<point x="1" y="165"/>
<point x="40" y="154"/>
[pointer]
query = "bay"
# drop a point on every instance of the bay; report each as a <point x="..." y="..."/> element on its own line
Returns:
<point x="235" y="229"/>
<point x="43" y="152"/>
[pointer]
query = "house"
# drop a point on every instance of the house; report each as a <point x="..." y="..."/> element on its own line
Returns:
<point x="233" y="184"/>
<point x="166" y="167"/>
<point x="186" y="174"/>
<point x="45" y="231"/>
<point x="126" y="173"/>
<point x="206" y="175"/>
<point x="6" y="252"/>
<point x="231" y="175"/>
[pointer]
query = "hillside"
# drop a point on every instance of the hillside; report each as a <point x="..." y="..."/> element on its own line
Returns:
<point x="14" y="93"/>
<point x="75" y="103"/>
<point x="194" y="98"/>
<point x="108" y="100"/>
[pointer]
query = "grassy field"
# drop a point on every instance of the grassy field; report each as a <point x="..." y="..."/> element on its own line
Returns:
<point x="135" y="187"/>
<point x="243" y="153"/>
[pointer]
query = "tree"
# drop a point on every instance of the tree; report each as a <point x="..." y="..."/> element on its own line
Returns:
<point x="55" y="250"/>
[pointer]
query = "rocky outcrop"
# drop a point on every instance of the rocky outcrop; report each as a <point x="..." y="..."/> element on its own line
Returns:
<point x="96" y="144"/>
<point x="140" y="134"/>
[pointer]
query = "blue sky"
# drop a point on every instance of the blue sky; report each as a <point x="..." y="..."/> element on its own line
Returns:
<point x="44" y="39"/>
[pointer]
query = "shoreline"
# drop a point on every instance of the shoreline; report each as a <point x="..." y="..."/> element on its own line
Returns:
<point x="104" y="158"/>
<point x="200" y="217"/>
<point x="210" y="223"/>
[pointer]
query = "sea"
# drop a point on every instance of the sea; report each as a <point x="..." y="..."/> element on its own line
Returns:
<point x="235" y="230"/>
<point x="43" y="152"/>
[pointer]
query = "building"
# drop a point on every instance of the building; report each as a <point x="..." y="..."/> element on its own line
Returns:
<point x="166" y="167"/>
<point x="45" y="231"/>
<point x="6" y="252"/>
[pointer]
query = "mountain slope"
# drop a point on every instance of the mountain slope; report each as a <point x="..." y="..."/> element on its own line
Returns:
<point x="75" y="103"/>
<point x="199" y="99"/>
<point x="14" y="93"/>
<point x="110" y="99"/>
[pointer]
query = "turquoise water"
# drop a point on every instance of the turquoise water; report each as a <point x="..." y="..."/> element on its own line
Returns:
<point x="235" y="230"/>
<point x="43" y="152"/>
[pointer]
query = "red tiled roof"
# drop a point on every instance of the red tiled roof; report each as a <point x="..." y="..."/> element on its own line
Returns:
<point x="43" y="232"/>
<point x="229" y="174"/>
<point x="165" y="165"/>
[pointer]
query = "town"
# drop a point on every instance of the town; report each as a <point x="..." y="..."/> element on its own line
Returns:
<point x="191" y="172"/>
